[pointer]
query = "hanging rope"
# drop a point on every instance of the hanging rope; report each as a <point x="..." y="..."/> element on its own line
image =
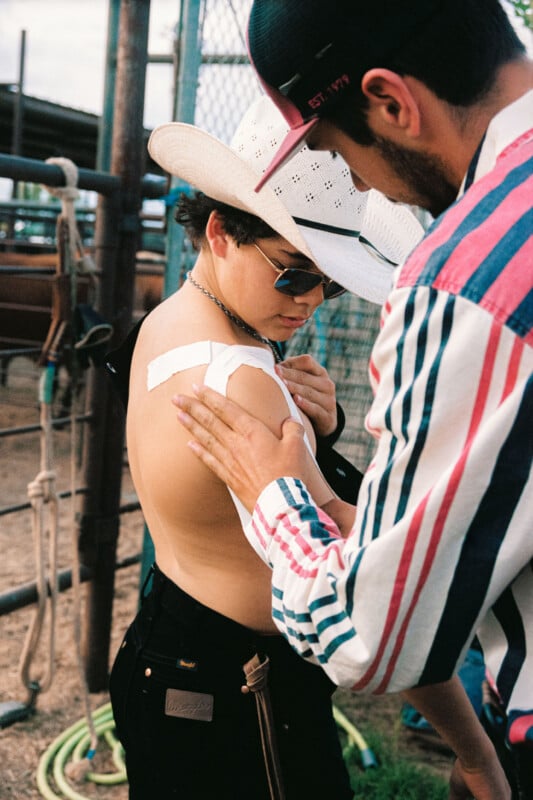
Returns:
<point x="68" y="194"/>
<point x="44" y="503"/>
<point x="74" y="261"/>
<point x="41" y="491"/>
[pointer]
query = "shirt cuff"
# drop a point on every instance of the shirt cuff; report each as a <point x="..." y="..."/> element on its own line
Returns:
<point x="332" y="437"/>
<point x="274" y="502"/>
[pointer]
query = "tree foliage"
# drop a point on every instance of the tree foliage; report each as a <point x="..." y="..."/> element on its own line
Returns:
<point x="524" y="10"/>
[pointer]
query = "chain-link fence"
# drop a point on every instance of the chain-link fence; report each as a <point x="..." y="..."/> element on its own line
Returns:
<point x="341" y="334"/>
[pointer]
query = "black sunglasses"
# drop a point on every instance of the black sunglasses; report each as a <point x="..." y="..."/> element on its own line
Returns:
<point x="295" y="282"/>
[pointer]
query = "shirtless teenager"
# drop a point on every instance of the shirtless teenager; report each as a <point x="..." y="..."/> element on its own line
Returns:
<point x="188" y="728"/>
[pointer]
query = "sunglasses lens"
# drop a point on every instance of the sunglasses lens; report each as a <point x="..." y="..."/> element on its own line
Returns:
<point x="333" y="290"/>
<point x="295" y="282"/>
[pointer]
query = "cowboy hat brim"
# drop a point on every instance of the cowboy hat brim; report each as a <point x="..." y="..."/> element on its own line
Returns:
<point x="214" y="168"/>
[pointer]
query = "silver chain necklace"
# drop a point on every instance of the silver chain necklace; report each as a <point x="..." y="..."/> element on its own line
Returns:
<point x="237" y="320"/>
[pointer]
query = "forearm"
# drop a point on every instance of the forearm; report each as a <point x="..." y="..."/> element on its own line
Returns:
<point x="343" y="514"/>
<point x="447" y="707"/>
<point x="477" y="772"/>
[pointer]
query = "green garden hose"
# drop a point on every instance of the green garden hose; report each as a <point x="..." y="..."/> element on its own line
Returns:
<point x="71" y="747"/>
<point x="355" y="739"/>
<point x="72" y="744"/>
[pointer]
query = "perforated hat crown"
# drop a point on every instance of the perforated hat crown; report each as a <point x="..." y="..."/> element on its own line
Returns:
<point x="312" y="202"/>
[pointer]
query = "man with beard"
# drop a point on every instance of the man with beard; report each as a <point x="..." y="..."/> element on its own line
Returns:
<point x="431" y="102"/>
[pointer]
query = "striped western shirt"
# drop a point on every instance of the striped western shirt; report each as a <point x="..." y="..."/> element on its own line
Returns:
<point x="442" y="547"/>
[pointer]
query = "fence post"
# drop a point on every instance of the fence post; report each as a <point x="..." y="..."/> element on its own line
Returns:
<point x="117" y="241"/>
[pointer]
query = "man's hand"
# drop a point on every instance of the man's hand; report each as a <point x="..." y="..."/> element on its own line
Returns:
<point x="312" y="389"/>
<point x="239" y="448"/>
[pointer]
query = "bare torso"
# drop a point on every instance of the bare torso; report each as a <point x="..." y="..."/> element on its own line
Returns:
<point x="197" y="533"/>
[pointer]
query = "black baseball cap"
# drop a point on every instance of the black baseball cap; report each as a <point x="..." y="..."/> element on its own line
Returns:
<point x="308" y="53"/>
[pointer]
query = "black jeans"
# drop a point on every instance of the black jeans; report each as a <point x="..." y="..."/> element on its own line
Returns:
<point x="176" y="643"/>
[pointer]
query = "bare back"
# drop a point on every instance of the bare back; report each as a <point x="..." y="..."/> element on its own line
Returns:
<point x="191" y="516"/>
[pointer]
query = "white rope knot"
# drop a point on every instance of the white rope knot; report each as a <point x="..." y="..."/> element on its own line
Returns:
<point x="70" y="171"/>
<point x="68" y="194"/>
<point x="42" y="486"/>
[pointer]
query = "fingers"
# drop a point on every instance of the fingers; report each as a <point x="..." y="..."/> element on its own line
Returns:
<point x="238" y="448"/>
<point x="303" y="363"/>
<point x="303" y="370"/>
<point x="211" y="410"/>
<point x="292" y="429"/>
<point x="314" y="386"/>
<point x="201" y="425"/>
<point x="313" y="391"/>
<point x="212" y="462"/>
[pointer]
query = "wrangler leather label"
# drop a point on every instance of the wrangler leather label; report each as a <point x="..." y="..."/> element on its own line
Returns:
<point x="189" y="705"/>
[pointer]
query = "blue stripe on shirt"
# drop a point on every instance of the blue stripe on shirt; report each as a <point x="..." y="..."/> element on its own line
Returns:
<point x="383" y="485"/>
<point x="482" y="543"/>
<point x="429" y="395"/>
<point x="522" y="318"/>
<point x="508" y="615"/>
<point x="487" y="205"/>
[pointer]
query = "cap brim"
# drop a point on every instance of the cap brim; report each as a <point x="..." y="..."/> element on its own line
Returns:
<point x="292" y="142"/>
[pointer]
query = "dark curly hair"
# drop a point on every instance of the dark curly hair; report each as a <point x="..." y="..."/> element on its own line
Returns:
<point x="193" y="213"/>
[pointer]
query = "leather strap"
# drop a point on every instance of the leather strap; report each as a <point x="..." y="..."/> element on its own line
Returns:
<point x="61" y="300"/>
<point x="256" y="672"/>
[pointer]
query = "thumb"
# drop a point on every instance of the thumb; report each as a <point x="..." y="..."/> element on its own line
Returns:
<point x="292" y="429"/>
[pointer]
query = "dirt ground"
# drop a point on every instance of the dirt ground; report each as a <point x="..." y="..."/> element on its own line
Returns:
<point x="23" y="744"/>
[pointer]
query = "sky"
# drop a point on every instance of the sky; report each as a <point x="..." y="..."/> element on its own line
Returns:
<point x="65" y="51"/>
<point x="66" y="47"/>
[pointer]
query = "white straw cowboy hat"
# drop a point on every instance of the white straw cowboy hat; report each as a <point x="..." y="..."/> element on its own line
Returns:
<point x="311" y="201"/>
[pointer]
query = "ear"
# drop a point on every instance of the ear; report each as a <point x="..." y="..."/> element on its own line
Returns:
<point x="216" y="236"/>
<point x="392" y="105"/>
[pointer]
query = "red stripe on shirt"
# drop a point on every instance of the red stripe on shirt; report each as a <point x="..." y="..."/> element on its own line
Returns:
<point x="451" y="491"/>
<point x="512" y="369"/>
<point x="518" y="729"/>
<point x="414" y="530"/>
<point x="417" y="262"/>
<point x="297" y="540"/>
<point x="394" y="606"/>
<point x="461" y="264"/>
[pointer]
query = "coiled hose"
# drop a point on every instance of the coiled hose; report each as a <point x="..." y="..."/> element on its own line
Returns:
<point x="73" y="743"/>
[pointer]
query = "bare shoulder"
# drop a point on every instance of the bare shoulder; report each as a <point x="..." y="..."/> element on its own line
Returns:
<point x="260" y="394"/>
